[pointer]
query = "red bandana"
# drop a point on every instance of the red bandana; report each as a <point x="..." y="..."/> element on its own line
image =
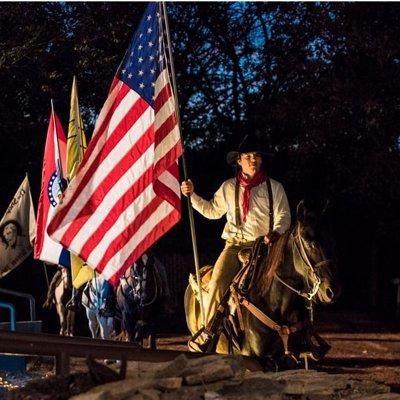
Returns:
<point x="248" y="184"/>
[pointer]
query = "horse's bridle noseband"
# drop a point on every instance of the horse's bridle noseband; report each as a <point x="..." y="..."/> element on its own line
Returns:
<point x="298" y="243"/>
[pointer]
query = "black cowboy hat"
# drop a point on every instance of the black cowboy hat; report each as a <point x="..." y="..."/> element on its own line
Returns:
<point x="249" y="144"/>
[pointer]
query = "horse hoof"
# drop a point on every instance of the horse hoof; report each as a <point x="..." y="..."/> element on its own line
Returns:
<point x="288" y="361"/>
<point x="269" y="364"/>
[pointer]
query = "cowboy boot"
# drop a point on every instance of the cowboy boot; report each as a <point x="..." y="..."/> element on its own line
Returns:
<point x="107" y="309"/>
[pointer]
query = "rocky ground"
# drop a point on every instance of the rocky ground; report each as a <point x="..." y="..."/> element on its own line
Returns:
<point x="359" y="366"/>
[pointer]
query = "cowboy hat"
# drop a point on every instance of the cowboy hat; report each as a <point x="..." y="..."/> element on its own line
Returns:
<point x="249" y="144"/>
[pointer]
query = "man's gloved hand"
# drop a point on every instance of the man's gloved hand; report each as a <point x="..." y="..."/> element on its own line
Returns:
<point x="271" y="237"/>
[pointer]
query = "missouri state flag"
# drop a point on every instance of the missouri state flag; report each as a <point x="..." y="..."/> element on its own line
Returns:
<point x="126" y="194"/>
<point x="53" y="184"/>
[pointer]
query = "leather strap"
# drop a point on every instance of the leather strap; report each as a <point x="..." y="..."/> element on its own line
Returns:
<point x="283" y="330"/>
<point x="271" y="205"/>
<point x="238" y="220"/>
<point x="247" y="278"/>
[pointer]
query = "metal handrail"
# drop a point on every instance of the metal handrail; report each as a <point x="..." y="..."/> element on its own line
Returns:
<point x="13" y="314"/>
<point x="24" y="295"/>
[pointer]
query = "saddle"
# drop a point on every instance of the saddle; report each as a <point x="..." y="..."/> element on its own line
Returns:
<point x="228" y="318"/>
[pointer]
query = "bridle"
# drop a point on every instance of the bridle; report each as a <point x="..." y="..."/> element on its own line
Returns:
<point x="298" y="245"/>
<point x="130" y="282"/>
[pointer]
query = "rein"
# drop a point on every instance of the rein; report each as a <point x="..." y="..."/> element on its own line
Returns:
<point x="303" y="254"/>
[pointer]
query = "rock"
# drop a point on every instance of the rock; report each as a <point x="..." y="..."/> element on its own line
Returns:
<point x="250" y="387"/>
<point x="185" y="393"/>
<point x="172" y="383"/>
<point x="212" y="396"/>
<point x="143" y="369"/>
<point x="136" y="396"/>
<point x="117" y="390"/>
<point x="386" y="396"/>
<point x="150" y="394"/>
<point x="174" y="368"/>
<point x="212" y="373"/>
<point x="101" y="373"/>
<point x="100" y="395"/>
<point x="197" y="367"/>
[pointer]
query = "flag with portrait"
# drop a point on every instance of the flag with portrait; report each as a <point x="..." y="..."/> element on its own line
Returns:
<point x="17" y="230"/>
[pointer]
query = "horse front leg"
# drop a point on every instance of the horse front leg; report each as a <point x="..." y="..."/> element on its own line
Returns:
<point x="92" y="322"/>
<point x="152" y="340"/>
<point x="106" y="326"/>
<point x="129" y="323"/>
<point x="70" y="322"/>
<point x="61" y="311"/>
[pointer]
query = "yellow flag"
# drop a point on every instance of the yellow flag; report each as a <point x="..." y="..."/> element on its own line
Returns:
<point x="76" y="145"/>
<point x="76" y="141"/>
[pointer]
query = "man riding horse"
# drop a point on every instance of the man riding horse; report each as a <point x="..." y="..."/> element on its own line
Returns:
<point x="255" y="206"/>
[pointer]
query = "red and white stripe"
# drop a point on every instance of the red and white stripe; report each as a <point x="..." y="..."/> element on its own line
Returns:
<point x="126" y="192"/>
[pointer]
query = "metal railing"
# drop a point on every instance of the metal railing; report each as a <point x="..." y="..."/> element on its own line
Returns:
<point x="13" y="314"/>
<point x="65" y="347"/>
<point x="28" y="296"/>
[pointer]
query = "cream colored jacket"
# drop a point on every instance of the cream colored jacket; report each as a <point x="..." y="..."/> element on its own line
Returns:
<point x="257" y="220"/>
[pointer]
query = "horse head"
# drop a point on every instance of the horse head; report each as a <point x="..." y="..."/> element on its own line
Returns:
<point x="313" y="248"/>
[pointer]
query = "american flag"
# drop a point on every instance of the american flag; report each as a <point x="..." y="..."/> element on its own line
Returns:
<point x="126" y="194"/>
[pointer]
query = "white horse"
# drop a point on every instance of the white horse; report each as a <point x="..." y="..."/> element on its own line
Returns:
<point x="100" y="327"/>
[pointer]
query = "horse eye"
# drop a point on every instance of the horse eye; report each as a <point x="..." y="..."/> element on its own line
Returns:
<point x="312" y="244"/>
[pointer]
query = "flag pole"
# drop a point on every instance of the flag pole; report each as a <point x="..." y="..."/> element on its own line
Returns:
<point x="58" y="146"/>
<point x="185" y="174"/>
<point x="77" y="123"/>
<point x="45" y="274"/>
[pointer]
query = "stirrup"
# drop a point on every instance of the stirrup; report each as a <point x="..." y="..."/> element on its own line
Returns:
<point x="209" y="344"/>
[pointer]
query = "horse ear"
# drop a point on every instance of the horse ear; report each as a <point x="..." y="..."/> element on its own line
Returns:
<point x="325" y="207"/>
<point x="300" y="211"/>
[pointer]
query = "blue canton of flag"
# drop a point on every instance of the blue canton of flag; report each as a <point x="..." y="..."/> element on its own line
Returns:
<point x="144" y="59"/>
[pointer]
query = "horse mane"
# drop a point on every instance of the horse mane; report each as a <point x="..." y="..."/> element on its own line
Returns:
<point x="274" y="259"/>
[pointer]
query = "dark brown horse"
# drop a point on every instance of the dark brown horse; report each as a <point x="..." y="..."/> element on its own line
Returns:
<point x="273" y="310"/>
<point x="141" y="295"/>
